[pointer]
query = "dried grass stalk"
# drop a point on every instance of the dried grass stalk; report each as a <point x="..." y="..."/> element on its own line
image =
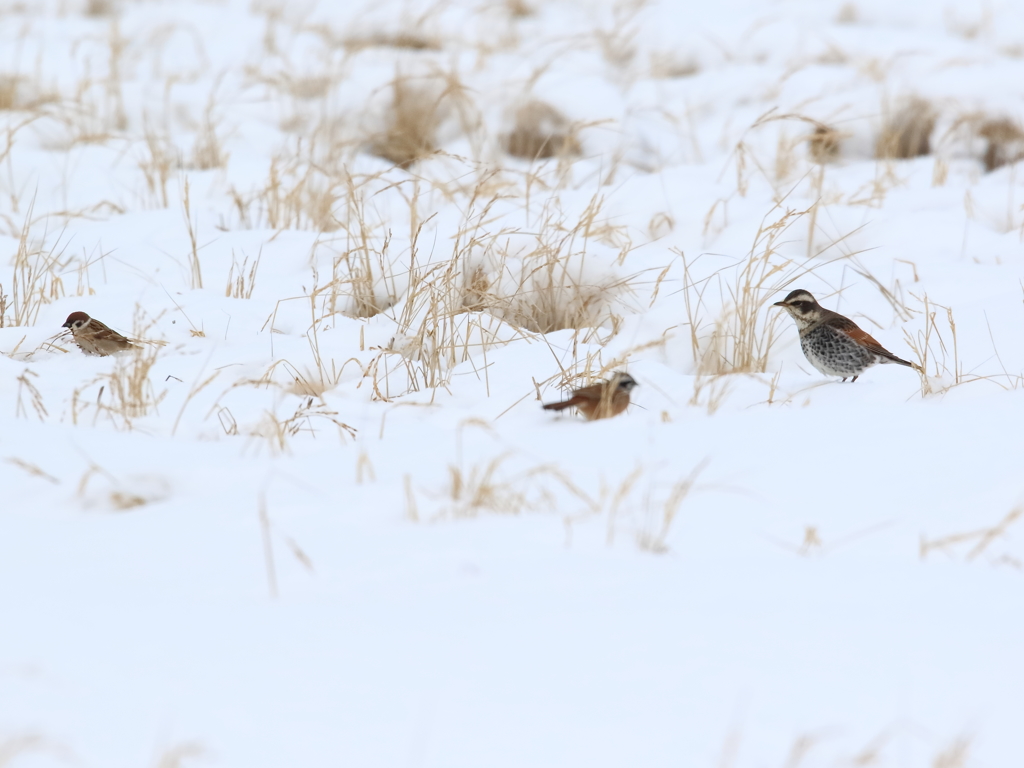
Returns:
<point x="412" y="41"/>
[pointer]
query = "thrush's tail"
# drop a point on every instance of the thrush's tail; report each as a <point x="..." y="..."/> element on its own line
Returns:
<point x="889" y="357"/>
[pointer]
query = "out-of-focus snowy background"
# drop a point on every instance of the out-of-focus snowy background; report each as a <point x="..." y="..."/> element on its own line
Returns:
<point x="326" y="523"/>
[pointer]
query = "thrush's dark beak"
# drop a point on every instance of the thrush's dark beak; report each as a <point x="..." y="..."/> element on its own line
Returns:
<point x="779" y="304"/>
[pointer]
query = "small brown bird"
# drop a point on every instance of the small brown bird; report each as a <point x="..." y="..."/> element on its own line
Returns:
<point x="834" y="344"/>
<point x="599" y="401"/>
<point x="93" y="337"/>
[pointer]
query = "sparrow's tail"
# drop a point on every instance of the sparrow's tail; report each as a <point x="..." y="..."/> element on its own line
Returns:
<point x="560" y="406"/>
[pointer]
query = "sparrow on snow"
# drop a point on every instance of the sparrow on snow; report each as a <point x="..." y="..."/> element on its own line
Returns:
<point x="93" y="337"/>
<point x="599" y="401"/>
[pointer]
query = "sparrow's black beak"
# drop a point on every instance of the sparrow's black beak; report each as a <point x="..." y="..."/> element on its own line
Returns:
<point x="66" y="325"/>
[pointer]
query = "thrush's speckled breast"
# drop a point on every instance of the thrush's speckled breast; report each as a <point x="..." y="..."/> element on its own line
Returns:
<point x="834" y="353"/>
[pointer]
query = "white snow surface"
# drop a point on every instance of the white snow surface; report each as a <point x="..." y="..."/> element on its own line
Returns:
<point x="295" y="535"/>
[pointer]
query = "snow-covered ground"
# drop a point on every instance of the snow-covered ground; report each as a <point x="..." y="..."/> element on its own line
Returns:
<point x="319" y="518"/>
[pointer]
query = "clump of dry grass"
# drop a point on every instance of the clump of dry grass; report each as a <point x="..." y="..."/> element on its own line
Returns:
<point x="37" y="277"/>
<point x="240" y="283"/>
<point x="158" y="166"/>
<point x="492" y="486"/>
<point x="309" y="415"/>
<point x="126" y="392"/>
<point x="15" y="746"/>
<point x="27" y="389"/>
<point x="295" y="196"/>
<point x="8" y="91"/>
<point x="179" y="755"/>
<point x="410" y="133"/>
<point x="419" y="107"/>
<point x="1004" y="142"/>
<point x="550" y="280"/>
<point x="117" y="495"/>
<point x="933" y="350"/>
<point x="356" y="274"/>
<point x="306" y="87"/>
<point x="518" y="9"/>
<point x="668" y="65"/>
<point x="848" y="14"/>
<point x="907" y="131"/>
<point x="652" y="534"/>
<point x="434" y="333"/>
<point x="551" y="296"/>
<point x="823" y="144"/>
<point x="936" y="350"/>
<point x="741" y="336"/>
<point x="486" y="487"/>
<point x="100" y="8"/>
<point x="20" y="92"/>
<point x="546" y="297"/>
<point x="541" y="131"/>
<point x="208" y="149"/>
<point x="642" y="505"/>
